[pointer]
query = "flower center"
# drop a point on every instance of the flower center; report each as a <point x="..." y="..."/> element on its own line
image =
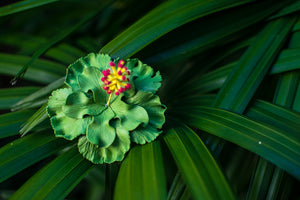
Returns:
<point x="116" y="79"/>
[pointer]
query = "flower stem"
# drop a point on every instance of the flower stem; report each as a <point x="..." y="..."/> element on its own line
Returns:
<point x="109" y="98"/>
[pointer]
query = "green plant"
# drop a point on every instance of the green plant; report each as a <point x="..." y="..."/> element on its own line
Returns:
<point x="230" y="81"/>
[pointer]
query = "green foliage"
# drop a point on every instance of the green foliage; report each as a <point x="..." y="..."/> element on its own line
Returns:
<point x="197" y="165"/>
<point x="228" y="74"/>
<point x="143" y="172"/>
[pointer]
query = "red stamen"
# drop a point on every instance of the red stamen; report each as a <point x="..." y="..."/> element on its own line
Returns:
<point x="117" y="93"/>
<point x="121" y="63"/>
<point x="105" y="72"/>
<point x="119" y="73"/>
<point x="127" y="86"/>
<point x="112" y="64"/>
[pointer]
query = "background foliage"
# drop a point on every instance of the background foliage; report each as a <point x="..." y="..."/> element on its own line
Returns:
<point x="231" y="82"/>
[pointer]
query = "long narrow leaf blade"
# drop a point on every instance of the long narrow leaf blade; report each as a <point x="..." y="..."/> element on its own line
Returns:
<point x="260" y="180"/>
<point x="197" y="166"/>
<point x="161" y="20"/>
<point x="296" y="104"/>
<point x="40" y="93"/>
<point x="280" y="147"/>
<point x="39" y="116"/>
<point x="242" y="83"/>
<point x="287" y="88"/>
<point x="21" y="153"/>
<point x="210" y="33"/>
<point x="10" y="122"/>
<point x="259" y="110"/>
<point x="57" y="179"/>
<point x="294" y="7"/>
<point x="22" y="5"/>
<point x="41" y="71"/>
<point x="141" y="175"/>
<point x="10" y="96"/>
<point x="53" y="41"/>
<point x="275" y="115"/>
<point x="288" y="60"/>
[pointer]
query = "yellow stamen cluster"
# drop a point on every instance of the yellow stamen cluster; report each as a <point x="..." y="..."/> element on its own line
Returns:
<point x="116" y="79"/>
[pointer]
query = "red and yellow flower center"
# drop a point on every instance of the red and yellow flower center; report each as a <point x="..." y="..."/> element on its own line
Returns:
<point x="116" y="79"/>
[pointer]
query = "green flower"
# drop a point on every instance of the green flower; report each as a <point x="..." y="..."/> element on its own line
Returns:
<point x="107" y="104"/>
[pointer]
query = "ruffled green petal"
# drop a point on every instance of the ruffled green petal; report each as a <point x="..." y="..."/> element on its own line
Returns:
<point x="141" y="135"/>
<point x="57" y="100"/>
<point x="100" y="61"/>
<point x="67" y="127"/>
<point x="79" y="104"/>
<point x="72" y="72"/>
<point x="63" y="125"/>
<point x="131" y="116"/>
<point x="115" y="152"/>
<point x="151" y="103"/>
<point x="143" y="76"/>
<point x="155" y="110"/>
<point x="100" y="132"/>
<point x="90" y="80"/>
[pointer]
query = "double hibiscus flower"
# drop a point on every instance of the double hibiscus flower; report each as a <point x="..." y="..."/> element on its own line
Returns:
<point x="107" y="104"/>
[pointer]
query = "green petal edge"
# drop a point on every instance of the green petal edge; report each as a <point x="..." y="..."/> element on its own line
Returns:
<point x="100" y="61"/>
<point x="131" y="116"/>
<point x="64" y="126"/>
<point x="155" y="110"/>
<point x="115" y="152"/>
<point x="142" y="75"/>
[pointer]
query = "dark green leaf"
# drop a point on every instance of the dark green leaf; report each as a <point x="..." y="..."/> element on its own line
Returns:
<point x="245" y="78"/>
<point x="296" y="104"/>
<point x="275" y="183"/>
<point x="28" y="44"/>
<point x="287" y="60"/>
<point x="197" y="166"/>
<point x="53" y="41"/>
<point x="28" y="100"/>
<point x="10" y="96"/>
<point x="286" y="89"/>
<point x="22" y="5"/>
<point x="41" y="71"/>
<point x="275" y="115"/>
<point x="214" y="31"/>
<point x="294" y="7"/>
<point x="23" y="152"/>
<point x="39" y="116"/>
<point x="10" y="123"/>
<point x="159" y="21"/>
<point x="141" y="175"/>
<point x="177" y="188"/>
<point x="56" y="179"/>
<point x="261" y="111"/>
<point x="297" y="26"/>
<point x="260" y="180"/>
<point x="276" y="145"/>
